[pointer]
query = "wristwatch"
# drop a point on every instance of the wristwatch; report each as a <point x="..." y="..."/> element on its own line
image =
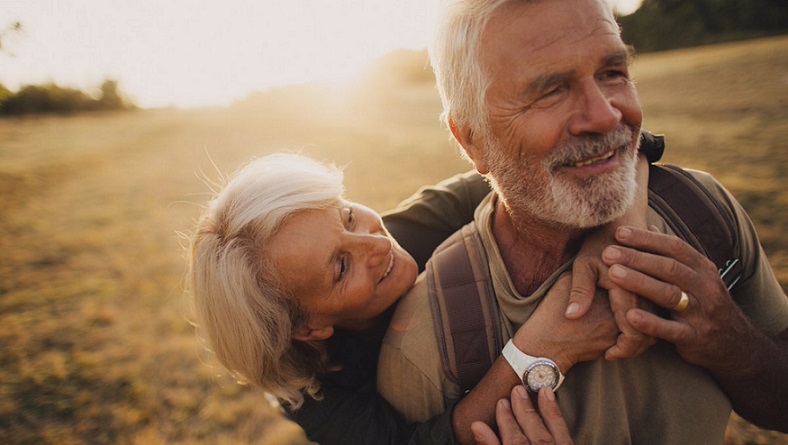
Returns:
<point x="535" y="372"/>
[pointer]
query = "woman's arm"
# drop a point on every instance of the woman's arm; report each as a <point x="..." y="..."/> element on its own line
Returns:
<point x="349" y="414"/>
<point x="427" y="218"/>
<point x="589" y="272"/>
<point x="345" y="415"/>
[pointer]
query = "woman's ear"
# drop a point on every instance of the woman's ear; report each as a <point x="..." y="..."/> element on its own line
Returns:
<point x="306" y="333"/>
<point x="465" y="137"/>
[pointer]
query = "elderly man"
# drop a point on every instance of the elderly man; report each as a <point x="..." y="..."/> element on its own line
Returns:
<point x="539" y="96"/>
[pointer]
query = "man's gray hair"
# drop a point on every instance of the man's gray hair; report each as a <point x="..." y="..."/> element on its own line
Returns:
<point x="455" y="58"/>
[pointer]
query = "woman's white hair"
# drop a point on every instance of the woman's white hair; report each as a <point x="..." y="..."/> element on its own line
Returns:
<point x="455" y="58"/>
<point x="242" y="313"/>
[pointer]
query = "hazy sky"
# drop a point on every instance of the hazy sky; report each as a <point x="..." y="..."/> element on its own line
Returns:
<point x="203" y="52"/>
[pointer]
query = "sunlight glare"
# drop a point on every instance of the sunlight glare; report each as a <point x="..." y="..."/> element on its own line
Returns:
<point x="206" y="52"/>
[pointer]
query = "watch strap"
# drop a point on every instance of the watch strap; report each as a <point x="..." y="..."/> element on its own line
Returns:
<point x="517" y="359"/>
<point x="521" y="362"/>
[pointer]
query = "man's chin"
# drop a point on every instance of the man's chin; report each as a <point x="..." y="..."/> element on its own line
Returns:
<point x="587" y="209"/>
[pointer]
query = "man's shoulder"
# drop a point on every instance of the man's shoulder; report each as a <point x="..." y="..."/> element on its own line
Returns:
<point x="709" y="182"/>
<point x="411" y="337"/>
<point x="700" y="188"/>
<point x="412" y="325"/>
<point x="410" y="370"/>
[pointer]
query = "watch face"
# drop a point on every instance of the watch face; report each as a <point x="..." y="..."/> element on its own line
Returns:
<point x="541" y="375"/>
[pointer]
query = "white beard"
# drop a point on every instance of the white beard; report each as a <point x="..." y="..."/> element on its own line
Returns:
<point x="594" y="202"/>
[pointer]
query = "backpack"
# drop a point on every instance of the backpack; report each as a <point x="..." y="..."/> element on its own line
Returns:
<point x="463" y="303"/>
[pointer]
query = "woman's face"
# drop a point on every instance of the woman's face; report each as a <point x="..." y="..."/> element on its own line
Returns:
<point x="342" y="265"/>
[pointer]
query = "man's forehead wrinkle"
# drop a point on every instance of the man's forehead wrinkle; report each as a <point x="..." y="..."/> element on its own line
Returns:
<point x="604" y="26"/>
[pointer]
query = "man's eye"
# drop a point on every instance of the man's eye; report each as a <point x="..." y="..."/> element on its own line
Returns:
<point x="552" y="92"/>
<point x="548" y="98"/>
<point x="615" y="75"/>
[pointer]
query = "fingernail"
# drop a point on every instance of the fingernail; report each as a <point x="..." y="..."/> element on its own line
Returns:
<point x="550" y="394"/>
<point x="505" y="404"/>
<point x="521" y="391"/>
<point x="624" y="232"/>
<point x="612" y="253"/>
<point x="572" y="309"/>
<point x="618" y="271"/>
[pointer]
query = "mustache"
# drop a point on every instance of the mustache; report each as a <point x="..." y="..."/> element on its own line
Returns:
<point x="584" y="147"/>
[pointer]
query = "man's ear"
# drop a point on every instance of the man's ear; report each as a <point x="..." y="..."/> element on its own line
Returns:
<point x="464" y="135"/>
<point x="306" y="333"/>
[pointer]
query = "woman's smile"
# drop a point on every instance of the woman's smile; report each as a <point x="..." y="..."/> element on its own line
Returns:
<point x="341" y="264"/>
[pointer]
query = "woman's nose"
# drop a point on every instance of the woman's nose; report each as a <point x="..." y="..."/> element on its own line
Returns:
<point x="375" y="247"/>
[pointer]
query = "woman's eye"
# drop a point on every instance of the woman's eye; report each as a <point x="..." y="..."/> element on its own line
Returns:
<point x="351" y="217"/>
<point x="343" y="266"/>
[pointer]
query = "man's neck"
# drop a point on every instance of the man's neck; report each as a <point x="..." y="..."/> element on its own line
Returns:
<point x="532" y="249"/>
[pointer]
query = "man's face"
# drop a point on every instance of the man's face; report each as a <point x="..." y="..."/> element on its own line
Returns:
<point x="564" y="115"/>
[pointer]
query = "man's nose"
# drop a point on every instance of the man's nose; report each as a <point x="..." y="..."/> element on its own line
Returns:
<point x="596" y="112"/>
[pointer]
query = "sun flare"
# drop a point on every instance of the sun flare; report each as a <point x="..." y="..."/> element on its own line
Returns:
<point x="205" y="52"/>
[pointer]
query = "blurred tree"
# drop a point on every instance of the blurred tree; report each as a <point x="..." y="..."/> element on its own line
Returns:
<point x="4" y="93"/>
<point x="49" y="98"/>
<point x="110" y="97"/>
<point x="665" y="24"/>
<point x="52" y="98"/>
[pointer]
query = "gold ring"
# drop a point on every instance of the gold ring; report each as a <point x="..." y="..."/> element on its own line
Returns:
<point x="682" y="304"/>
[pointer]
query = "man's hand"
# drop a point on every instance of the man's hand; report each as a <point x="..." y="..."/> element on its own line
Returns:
<point x="706" y="325"/>
<point x="548" y="333"/>
<point x="519" y="423"/>
<point x="710" y="331"/>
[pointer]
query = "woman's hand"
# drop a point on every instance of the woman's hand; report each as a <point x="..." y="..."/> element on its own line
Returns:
<point x="590" y="272"/>
<point x="519" y="423"/>
<point x="549" y="333"/>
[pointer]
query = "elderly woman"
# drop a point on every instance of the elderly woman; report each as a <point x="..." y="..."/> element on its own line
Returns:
<point x="293" y="285"/>
<point x="279" y="256"/>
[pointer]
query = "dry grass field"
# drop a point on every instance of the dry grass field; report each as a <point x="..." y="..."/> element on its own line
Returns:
<point x="95" y="345"/>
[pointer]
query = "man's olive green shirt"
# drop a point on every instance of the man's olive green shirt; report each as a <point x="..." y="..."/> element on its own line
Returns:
<point x="655" y="398"/>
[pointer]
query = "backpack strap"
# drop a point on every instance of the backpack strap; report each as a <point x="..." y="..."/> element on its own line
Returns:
<point x="464" y="307"/>
<point x="696" y="216"/>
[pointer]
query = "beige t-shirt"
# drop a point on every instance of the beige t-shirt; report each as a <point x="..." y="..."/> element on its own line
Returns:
<point x="655" y="398"/>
